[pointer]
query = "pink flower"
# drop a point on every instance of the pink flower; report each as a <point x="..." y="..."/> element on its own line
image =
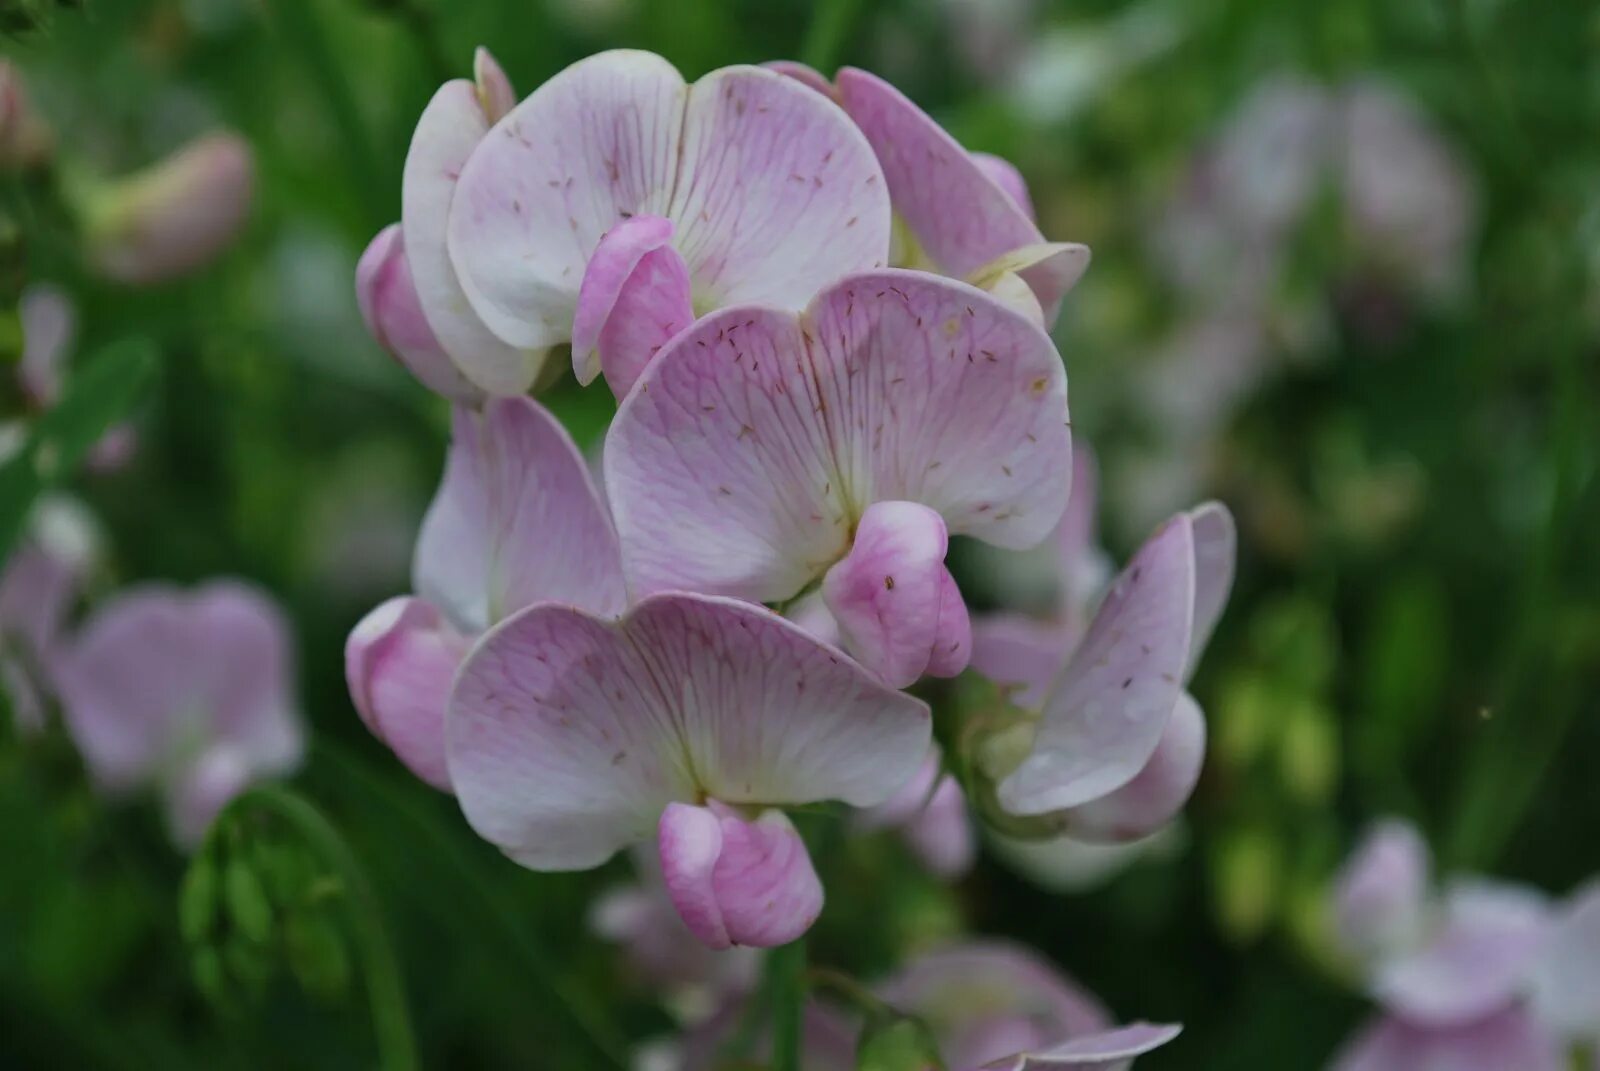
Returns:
<point x="49" y="322"/>
<point x="691" y="719"/>
<point x="617" y="203"/>
<point x="38" y="585"/>
<point x="393" y="313"/>
<point x="188" y="693"/>
<point x="962" y="214"/>
<point x="764" y="452"/>
<point x="516" y="520"/>
<point x="930" y="812"/>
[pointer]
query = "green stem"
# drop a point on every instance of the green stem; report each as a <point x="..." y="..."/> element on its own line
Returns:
<point x="397" y="1049"/>
<point x="786" y="994"/>
<point x="830" y="25"/>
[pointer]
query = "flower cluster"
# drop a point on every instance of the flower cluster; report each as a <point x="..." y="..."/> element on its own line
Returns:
<point x="826" y="324"/>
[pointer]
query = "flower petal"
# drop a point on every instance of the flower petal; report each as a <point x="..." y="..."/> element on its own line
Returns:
<point x="735" y="881"/>
<point x="806" y="76"/>
<point x="1215" y="548"/>
<point x="931" y="811"/>
<point x="756" y="439"/>
<point x="399" y="663"/>
<point x="450" y="129"/>
<point x="495" y="95"/>
<point x="1109" y="709"/>
<point x="1105" y="1051"/>
<point x="653" y="307"/>
<point x="569" y="735"/>
<point x="1157" y="793"/>
<point x="1020" y="653"/>
<point x="614" y="259"/>
<point x="1004" y="173"/>
<point x="1566" y="976"/>
<point x="1506" y="1039"/>
<point x="389" y="305"/>
<point x="1379" y="895"/>
<point x="769" y="165"/>
<point x="960" y="216"/>
<point x="1049" y="268"/>
<point x="516" y="520"/>
<point x="952" y="635"/>
<point x="195" y="798"/>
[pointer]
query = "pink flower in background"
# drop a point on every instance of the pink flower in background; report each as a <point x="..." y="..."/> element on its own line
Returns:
<point x="387" y="295"/>
<point x="39" y="583"/>
<point x="961" y="214"/>
<point x="49" y="324"/>
<point x="189" y="693"/>
<point x="691" y="720"/>
<point x="618" y="203"/>
<point x="930" y="812"/>
<point x="174" y="217"/>
<point x="765" y="452"/>
<point x="516" y="520"/>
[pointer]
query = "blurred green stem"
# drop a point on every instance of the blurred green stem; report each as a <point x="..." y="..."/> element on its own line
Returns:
<point x="786" y="994"/>
<point x="831" y="23"/>
<point x="397" y="1050"/>
<point x="423" y="26"/>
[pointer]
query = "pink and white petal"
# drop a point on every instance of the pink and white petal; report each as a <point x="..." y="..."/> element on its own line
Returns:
<point x="886" y="594"/>
<point x="1004" y="173"/>
<point x="1012" y="291"/>
<point x="1505" y="1039"/>
<point x="388" y="301"/>
<point x="594" y="145"/>
<point x="653" y="307"/>
<point x="1105" y="1051"/>
<point x="800" y="72"/>
<point x="1020" y="653"/>
<point x="516" y="520"/>
<point x="1215" y="550"/>
<point x="952" y="637"/>
<point x="495" y="95"/>
<point x="1157" y="794"/>
<point x="942" y="835"/>
<point x="196" y="795"/>
<point x="1380" y="894"/>
<point x="1566" y="975"/>
<point x="613" y="261"/>
<point x="736" y="881"/>
<point x="399" y="663"/>
<point x="1479" y="959"/>
<point x="767" y="165"/>
<point x="1111" y="706"/>
<point x="1050" y="269"/>
<point x="450" y="129"/>
<point x="811" y="613"/>
<point x="242" y="639"/>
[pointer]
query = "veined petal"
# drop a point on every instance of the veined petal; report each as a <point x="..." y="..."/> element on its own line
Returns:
<point x="399" y="663"/>
<point x="589" y="148"/>
<point x="569" y="735"/>
<point x="756" y="440"/>
<point x="1109" y="709"/>
<point x="736" y="881"/>
<point x="653" y="307"/>
<point x="1157" y="793"/>
<point x="1379" y="895"/>
<point x="388" y="300"/>
<point x="618" y="254"/>
<point x="450" y="129"/>
<point x="516" y="520"/>
<point x="1108" y="1050"/>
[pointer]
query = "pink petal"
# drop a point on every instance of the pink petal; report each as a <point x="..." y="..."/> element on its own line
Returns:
<point x="1004" y="173"/>
<point x="1215" y="548"/>
<point x="447" y="134"/>
<point x="1020" y="653"/>
<point x="735" y="881"/>
<point x="495" y="95"/>
<point x="198" y="795"/>
<point x="960" y="216"/>
<point x="1478" y="959"/>
<point x="1507" y="1039"/>
<point x="1157" y="793"/>
<point x="931" y="812"/>
<point x="952" y="636"/>
<point x="569" y="735"/>
<point x="1111" y="706"/>
<point x="1566" y="975"/>
<point x="399" y="663"/>
<point x="888" y="592"/>
<point x="806" y="76"/>
<point x="516" y="520"/>
<point x="1379" y="895"/>
<point x="634" y="298"/>
<point x="1098" y="1052"/>
<point x="389" y="305"/>
<point x="756" y="440"/>
<point x="614" y="259"/>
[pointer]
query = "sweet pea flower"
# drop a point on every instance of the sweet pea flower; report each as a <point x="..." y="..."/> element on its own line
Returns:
<point x="38" y="585"/>
<point x="618" y="203"/>
<point x="993" y="1005"/>
<point x="764" y="454"/>
<point x="516" y="520"/>
<point x="186" y="692"/>
<point x="1116" y="746"/>
<point x="49" y="323"/>
<point x="961" y="214"/>
<point x="1477" y="975"/>
<point x="387" y="296"/>
<point x="692" y="719"/>
<point x="930" y="813"/>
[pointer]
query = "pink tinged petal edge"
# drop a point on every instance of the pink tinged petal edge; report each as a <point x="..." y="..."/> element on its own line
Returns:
<point x="735" y="881"/>
<point x="655" y="304"/>
<point x="1020" y="653"/>
<point x="388" y="301"/>
<point x="952" y="636"/>
<point x="516" y="520"/>
<point x="888" y="594"/>
<point x="1498" y="1042"/>
<point x="809" y="77"/>
<point x="1566" y="975"/>
<point x="1215" y="550"/>
<point x="496" y="97"/>
<point x="609" y="268"/>
<point x="755" y="440"/>
<point x="447" y="135"/>
<point x="1379" y="895"/>
<point x="1004" y="173"/>
<point x="1157" y="793"/>
<point x="568" y="735"/>
<point x="961" y="216"/>
<point x="1111" y="706"/>
<point x="1096" y="1052"/>
<point x="399" y="663"/>
<point x="1478" y="959"/>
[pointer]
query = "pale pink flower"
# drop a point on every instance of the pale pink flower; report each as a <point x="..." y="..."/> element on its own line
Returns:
<point x="39" y="583"/>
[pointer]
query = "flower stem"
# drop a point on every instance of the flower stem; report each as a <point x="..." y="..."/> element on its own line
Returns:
<point x="786" y="993"/>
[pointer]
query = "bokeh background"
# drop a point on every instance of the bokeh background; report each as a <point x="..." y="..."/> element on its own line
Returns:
<point x="1345" y="279"/>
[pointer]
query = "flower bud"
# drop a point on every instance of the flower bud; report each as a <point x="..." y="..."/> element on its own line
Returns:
<point x="175" y="216"/>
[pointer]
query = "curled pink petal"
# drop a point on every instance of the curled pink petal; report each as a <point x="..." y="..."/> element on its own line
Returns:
<point x="389" y="305"/>
<point x="614" y="258"/>
<point x="495" y="95"/>
<point x="635" y="296"/>
<point x="1215" y="548"/>
<point x="1004" y="173"/>
<point x="736" y="881"/>
<point x="952" y="635"/>
<point x="1379" y="895"/>
<point x="399" y="663"/>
